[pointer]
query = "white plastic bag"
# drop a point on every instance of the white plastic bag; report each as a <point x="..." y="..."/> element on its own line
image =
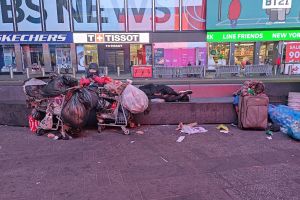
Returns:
<point x="134" y="99"/>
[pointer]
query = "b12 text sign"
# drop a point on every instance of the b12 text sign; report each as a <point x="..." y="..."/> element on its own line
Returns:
<point x="277" y="4"/>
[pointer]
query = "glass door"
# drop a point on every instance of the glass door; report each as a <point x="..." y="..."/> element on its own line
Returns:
<point x="114" y="59"/>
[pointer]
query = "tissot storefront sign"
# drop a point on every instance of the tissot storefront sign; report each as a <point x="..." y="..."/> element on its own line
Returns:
<point x="35" y="37"/>
<point x="111" y="37"/>
<point x="252" y="36"/>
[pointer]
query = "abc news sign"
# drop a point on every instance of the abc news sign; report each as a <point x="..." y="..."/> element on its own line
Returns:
<point x="111" y="37"/>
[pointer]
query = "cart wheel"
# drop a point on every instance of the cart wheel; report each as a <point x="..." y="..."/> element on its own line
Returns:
<point x="40" y="132"/>
<point x="125" y="130"/>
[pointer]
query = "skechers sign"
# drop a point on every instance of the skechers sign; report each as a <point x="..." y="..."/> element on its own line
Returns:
<point x="111" y="37"/>
<point x="33" y="38"/>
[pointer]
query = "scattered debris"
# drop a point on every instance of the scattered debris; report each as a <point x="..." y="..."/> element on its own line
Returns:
<point x="269" y="132"/>
<point x="51" y="136"/>
<point x="234" y="125"/>
<point x="223" y="127"/>
<point x="269" y="138"/>
<point x="99" y="162"/>
<point x="164" y="159"/>
<point x="38" y="183"/>
<point x="140" y="132"/>
<point x="224" y="131"/>
<point x="191" y="128"/>
<point x="180" y="139"/>
<point x="131" y="142"/>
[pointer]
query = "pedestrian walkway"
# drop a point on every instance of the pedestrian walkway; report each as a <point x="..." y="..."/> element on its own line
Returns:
<point x="111" y="166"/>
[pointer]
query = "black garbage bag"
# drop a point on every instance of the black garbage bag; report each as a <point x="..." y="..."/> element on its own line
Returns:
<point x="58" y="85"/>
<point x="77" y="108"/>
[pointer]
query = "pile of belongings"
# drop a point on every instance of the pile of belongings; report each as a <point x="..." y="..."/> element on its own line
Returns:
<point x="61" y="106"/>
<point x="251" y="88"/>
<point x="287" y="118"/>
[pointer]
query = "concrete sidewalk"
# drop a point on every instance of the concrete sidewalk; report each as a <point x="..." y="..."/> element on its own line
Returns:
<point x="110" y="166"/>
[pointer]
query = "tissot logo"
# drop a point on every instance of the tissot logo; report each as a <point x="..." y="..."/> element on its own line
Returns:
<point x="100" y="37"/>
<point x="111" y="37"/>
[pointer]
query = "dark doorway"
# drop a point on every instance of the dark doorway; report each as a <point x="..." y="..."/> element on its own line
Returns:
<point x="114" y="59"/>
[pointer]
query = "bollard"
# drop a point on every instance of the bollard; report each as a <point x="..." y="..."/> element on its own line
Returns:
<point x="43" y="71"/>
<point x="118" y="71"/>
<point x="58" y="70"/>
<point x="27" y="72"/>
<point x="106" y="71"/>
<point x="290" y="70"/>
<point x="74" y="72"/>
<point x="11" y="72"/>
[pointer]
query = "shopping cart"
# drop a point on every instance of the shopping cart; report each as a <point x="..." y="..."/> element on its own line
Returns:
<point x="112" y="112"/>
<point x="52" y="120"/>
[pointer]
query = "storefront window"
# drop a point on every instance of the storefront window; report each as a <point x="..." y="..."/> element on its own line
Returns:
<point x="193" y="14"/>
<point x="7" y="58"/>
<point x="6" y="16"/>
<point x="140" y="15"/>
<point x="166" y="15"/>
<point x="33" y="56"/>
<point x="218" y="54"/>
<point x="243" y="54"/>
<point x="140" y="54"/>
<point x="60" y="56"/>
<point x="29" y="16"/>
<point x="85" y="15"/>
<point x="180" y="54"/>
<point x="86" y="54"/>
<point x="57" y="18"/>
<point x="112" y="15"/>
<point x="266" y="53"/>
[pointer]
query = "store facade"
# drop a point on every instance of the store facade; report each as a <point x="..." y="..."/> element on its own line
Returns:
<point x="171" y="27"/>
<point x="238" y="33"/>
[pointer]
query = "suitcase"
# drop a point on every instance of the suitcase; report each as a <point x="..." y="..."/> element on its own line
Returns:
<point x="253" y="112"/>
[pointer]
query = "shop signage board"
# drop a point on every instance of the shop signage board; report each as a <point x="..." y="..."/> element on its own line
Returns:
<point x="36" y="37"/>
<point x="295" y="68"/>
<point x="248" y="14"/>
<point x="142" y="71"/>
<point x="292" y="52"/>
<point x="111" y="38"/>
<point x="253" y="36"/>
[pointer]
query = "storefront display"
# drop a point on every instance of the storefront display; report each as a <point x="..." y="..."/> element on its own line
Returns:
<point x="140" y="54"/>
<point x="244" y="53"/>
<point x="266" y="53"/>
<point x="86" y="54"/>
<point x="7" y="58"/>
<point x="180" y="54"/>
<point x="33" y="56"/>
<point x="218" y="54"/>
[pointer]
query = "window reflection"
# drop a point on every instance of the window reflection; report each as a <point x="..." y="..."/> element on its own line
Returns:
<point x="140" y="15"/>
<point x="180" y="54"/>
<point x="167" y="14"/>
<point x="193" y="14"/>
<point x="84" y="15"/>
<point x="112" y="15"/>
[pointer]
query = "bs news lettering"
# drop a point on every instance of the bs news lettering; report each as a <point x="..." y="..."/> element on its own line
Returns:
<point x="61" y="5"/>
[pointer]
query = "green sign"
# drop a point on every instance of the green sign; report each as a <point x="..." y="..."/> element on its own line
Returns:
<point x="253" y="36"/>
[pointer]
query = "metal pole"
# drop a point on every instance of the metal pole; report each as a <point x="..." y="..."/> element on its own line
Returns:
<point x="74" y="72"/>
<point x="106" y="71"/>
<point x="27" y="72"/>
<point x="58" y="69"/>
<point x="43" y="71"/>
<point x="11" y="72"/>
<point x="118" y="71"/>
